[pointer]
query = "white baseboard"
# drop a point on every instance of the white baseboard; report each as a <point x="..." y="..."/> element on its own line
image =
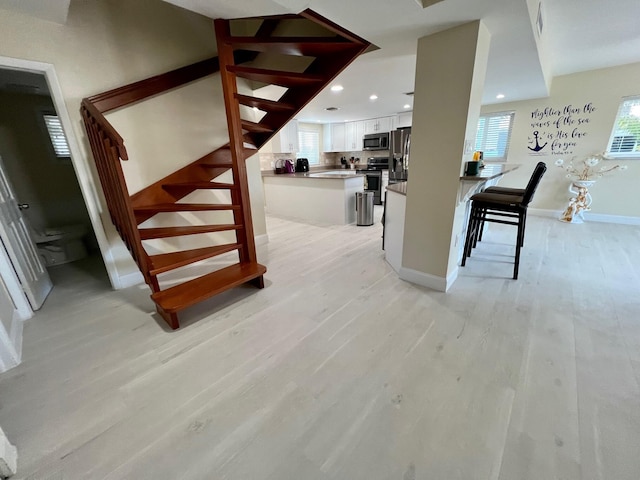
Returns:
<point x="261" y="239"/>
<point x="588" y="216"/>
<point x="129" y="280"/>
<point x="10" y="352"/>
<point x="433" y="282"/>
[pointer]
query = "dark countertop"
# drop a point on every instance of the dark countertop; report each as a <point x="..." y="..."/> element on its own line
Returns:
<point x="490" y="171"/>
<point x="400" y="187"/>
<point x="342" y="174"/>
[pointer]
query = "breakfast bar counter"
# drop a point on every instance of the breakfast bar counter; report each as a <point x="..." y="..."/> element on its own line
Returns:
<point x="396" y="199"/>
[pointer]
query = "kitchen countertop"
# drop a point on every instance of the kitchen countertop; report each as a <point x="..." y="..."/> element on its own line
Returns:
<point x="400" y="187"/>
<point x="330" y="174"/>
<point x="491" y="171"/>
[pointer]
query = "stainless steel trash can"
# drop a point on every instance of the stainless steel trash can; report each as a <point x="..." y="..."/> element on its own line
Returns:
<point x="364" y="208"/>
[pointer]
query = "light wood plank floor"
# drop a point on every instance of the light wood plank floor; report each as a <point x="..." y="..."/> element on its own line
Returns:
<point x="339" y="370"/>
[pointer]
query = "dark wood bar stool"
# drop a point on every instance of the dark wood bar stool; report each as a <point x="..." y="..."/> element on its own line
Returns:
<point x="502" y="208"/>
<point x="509" y="190"/>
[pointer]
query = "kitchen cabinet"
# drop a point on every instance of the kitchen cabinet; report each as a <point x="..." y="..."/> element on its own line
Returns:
<point x="404" y="119"/>
<point x="347" y="136"/>
<point x="286" y="140"/>
<point x="379" y="125"/>
<point x="354" y="132"/>
<point x="334" y="139"/>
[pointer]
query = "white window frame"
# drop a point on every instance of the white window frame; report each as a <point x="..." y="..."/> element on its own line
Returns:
<point x="55" y="132"/>
<point x="313" y="157"/>
<point x="482" y="144"/>
<point x="616" y="136"/>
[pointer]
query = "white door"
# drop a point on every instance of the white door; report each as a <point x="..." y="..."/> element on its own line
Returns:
<point x="21" y="248"/>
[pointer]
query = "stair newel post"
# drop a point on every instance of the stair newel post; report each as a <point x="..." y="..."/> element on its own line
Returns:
<point x="239" y="195"/>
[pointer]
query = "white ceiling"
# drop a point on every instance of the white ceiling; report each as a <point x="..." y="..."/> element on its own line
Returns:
<point x="577" y="35"/>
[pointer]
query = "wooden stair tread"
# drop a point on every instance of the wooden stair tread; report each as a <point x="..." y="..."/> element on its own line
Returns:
<point x="216" y="164"/>
<point x="255" y="127"/>
<point x="201" y="185"/>
<point x="307" y="46"/>
<point x="199" y="289"/>
<point x="164" y="232"/>
<point x="185" y="207"/>
<point x="276" y="77"/>
<point x="264" y="104"/>
<point x="165" y="262"/>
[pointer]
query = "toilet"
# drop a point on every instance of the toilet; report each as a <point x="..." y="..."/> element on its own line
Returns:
<point x="61" y="244"/>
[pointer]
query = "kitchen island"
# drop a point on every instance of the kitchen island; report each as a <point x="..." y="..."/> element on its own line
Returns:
<point x="327" y="197"/>
<point x="396" y="204"/>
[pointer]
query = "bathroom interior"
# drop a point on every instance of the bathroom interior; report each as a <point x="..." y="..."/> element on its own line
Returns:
<point x="44" y="183"/>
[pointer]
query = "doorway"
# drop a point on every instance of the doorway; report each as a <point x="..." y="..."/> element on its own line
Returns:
<point x="59" y="190"/>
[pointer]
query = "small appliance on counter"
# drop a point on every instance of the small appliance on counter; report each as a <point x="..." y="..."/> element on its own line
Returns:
<point x="279" y="166"/>
<point x="302" y="165"/>
<point x="288" y="165"/>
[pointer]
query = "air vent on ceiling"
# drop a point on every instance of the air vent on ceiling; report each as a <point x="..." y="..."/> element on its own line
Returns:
<point x="331" y="109"/>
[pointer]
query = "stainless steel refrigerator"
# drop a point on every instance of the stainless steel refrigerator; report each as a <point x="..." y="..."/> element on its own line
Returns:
<point x="399" y="154"/>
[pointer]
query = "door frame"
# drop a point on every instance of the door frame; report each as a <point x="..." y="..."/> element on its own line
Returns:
<point x="80" y="166"/>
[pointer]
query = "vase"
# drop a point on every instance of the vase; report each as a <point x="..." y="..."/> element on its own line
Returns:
<point x="579" y="203"/>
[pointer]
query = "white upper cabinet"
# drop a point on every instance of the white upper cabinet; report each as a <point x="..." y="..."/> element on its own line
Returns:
<point x="333" y="138"/>
<point x="286" y="141"/>
<point x="379" y="125"/>
<point x="404" y="119"/>
<point x="347" y="136"/>
<point x="353" y="135"/>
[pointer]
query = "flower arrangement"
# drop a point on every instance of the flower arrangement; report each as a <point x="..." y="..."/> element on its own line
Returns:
<point x="588" y="170"/>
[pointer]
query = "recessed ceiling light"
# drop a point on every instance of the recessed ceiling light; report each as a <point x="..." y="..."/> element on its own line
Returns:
<point x="331" y="109"/>
<point x="337" y="88"/>
<point x="500" y="95"/>
<point x="407" y="106"/>
<point x="373" y="97"/>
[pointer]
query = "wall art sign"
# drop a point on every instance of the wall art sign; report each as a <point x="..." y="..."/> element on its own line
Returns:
<point x="558" y="131"/>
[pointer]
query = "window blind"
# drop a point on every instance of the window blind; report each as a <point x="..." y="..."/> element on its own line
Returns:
<point x="309" y="145"/>
<point x="625" y="135"/>
<point x="58" y="139"/>
<point x="494" y="134"/>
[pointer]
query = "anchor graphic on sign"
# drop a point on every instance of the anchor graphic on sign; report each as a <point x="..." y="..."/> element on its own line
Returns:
<point x="537" y="148"/>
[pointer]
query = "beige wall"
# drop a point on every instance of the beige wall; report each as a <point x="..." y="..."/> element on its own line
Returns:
<point x="449" y="80"/>
<point x="109" y="43"/>
<point x="603" y="90"/>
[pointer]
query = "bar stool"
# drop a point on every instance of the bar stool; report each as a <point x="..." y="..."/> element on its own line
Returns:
<point x="501" y="208"/>
<point x="506" y="191"/>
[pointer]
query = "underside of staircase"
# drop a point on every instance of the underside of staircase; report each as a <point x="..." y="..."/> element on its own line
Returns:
<point x="322" y="47"/>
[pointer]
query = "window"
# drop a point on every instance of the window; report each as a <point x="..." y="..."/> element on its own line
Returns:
<point x="493" y="135"/>
<point x="625" y="136"/>
<point x="309" y="145"/>
<point x="58" y="139"/>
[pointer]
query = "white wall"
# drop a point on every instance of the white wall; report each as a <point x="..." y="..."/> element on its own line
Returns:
<point x="601" y="91"/>
<point x="110" y="43"/>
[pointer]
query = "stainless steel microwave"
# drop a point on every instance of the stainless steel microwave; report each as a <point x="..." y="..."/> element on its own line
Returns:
<point x="376" y="141"/>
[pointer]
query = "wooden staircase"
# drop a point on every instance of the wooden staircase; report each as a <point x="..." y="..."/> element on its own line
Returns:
<point x="238" y="57"/>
